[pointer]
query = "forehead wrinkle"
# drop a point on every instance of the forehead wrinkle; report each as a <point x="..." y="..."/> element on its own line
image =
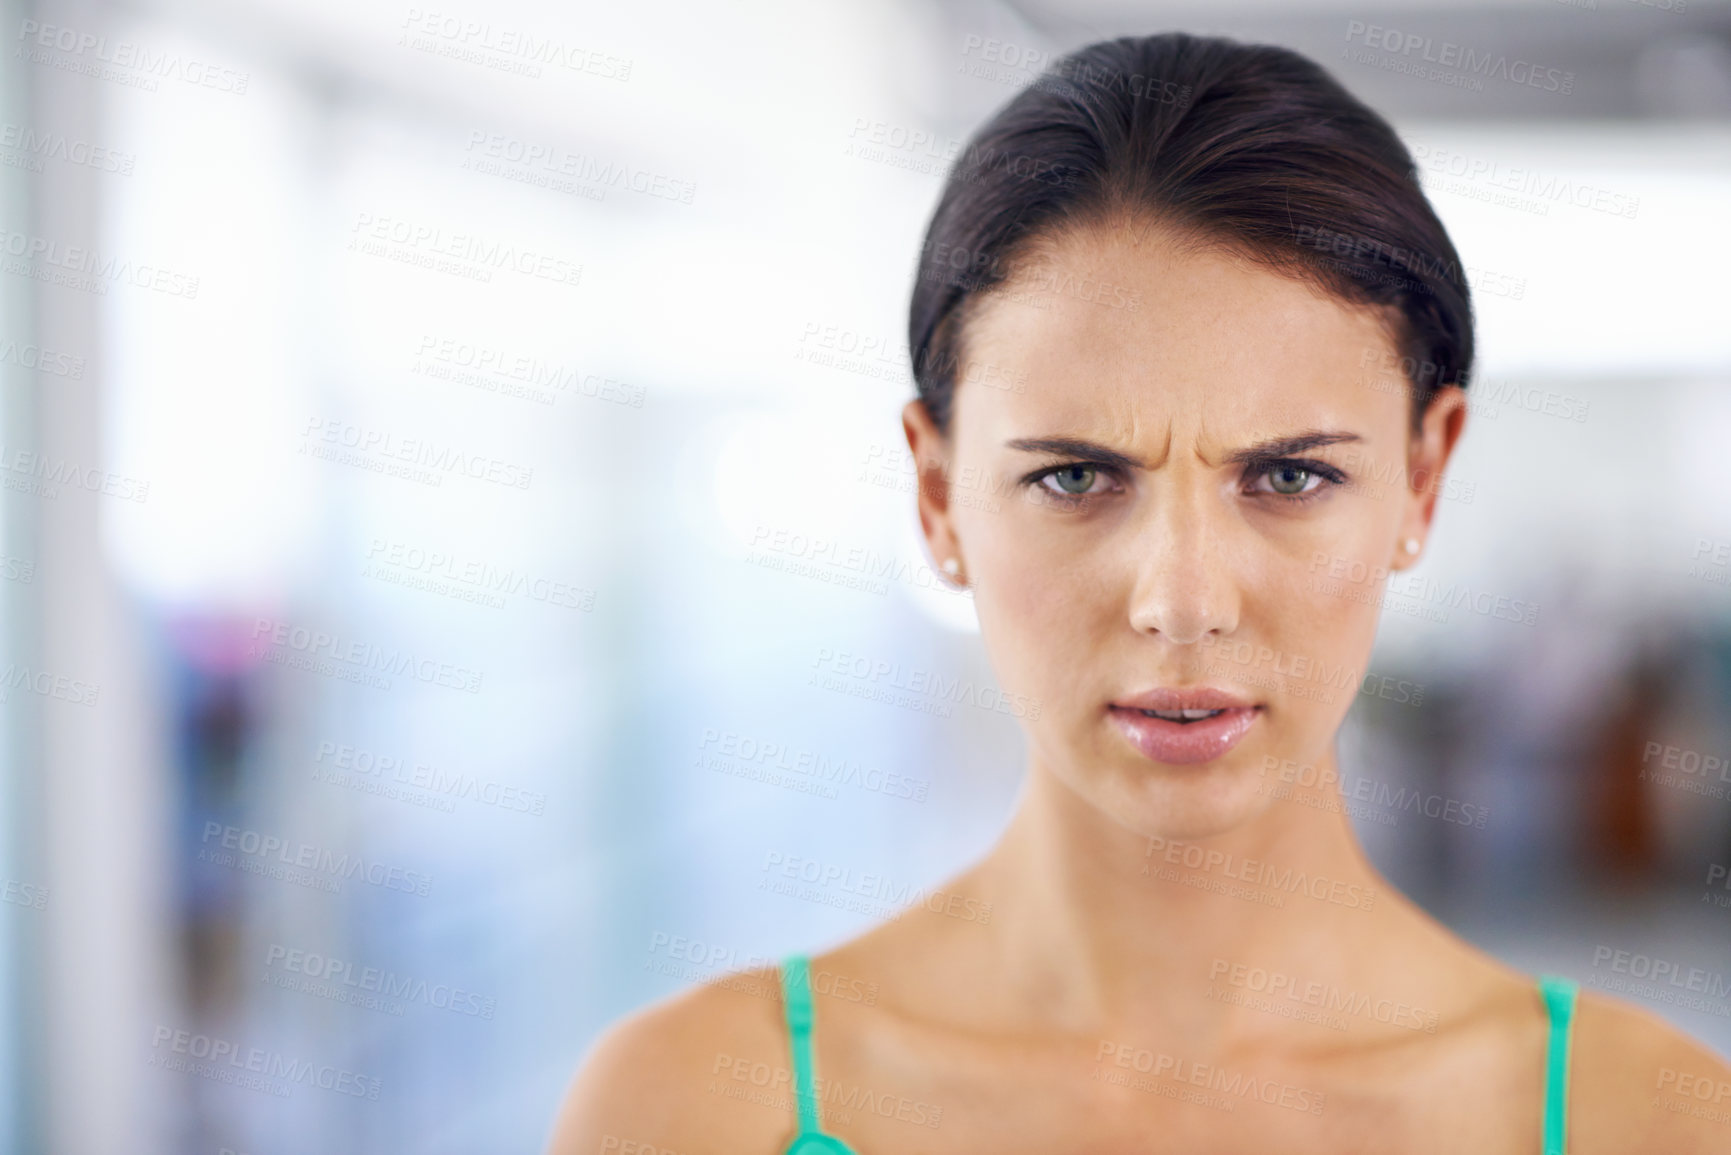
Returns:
<point x="1204" y="439"/>
<point x="1128" y="424"/>
<point x="1238" y="421"/>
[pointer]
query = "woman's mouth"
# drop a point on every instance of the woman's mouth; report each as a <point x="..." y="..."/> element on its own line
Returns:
<point x="1183" y="727"/>
<point x="1182" y="715"/>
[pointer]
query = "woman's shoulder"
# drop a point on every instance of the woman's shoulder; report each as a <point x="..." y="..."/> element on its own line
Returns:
<point x="703" y="1070"/>
<point x="1636" y="1083"/>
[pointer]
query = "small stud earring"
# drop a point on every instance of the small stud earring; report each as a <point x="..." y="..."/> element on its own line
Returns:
<point x="1412" y="545"/>
<point x="951" y="565"/>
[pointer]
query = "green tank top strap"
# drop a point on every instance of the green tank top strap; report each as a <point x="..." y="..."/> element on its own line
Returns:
<point x="796" y="998"/>
<point x="1559" y="995"/>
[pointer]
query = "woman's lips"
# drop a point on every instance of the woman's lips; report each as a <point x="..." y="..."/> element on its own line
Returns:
<point x="1184" y="743"/>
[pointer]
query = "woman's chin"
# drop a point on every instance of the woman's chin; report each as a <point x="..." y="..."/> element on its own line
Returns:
<point x="1196" y="822"/>
<point x="1185" y="807"/>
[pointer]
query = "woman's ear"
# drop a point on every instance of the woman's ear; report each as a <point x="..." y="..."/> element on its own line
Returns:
<point x="1428" y="455"/>
<point x="930" y="450"/>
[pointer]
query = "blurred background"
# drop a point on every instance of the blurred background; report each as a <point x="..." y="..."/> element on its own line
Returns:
<point x="444" y="449"/>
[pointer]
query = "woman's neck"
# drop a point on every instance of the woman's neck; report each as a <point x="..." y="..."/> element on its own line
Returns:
<point x="1096" y="925"/>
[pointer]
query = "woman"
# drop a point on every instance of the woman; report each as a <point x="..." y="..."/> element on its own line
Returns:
<point x="1236" y="340"/>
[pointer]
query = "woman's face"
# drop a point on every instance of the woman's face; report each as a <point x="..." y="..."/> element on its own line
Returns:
<point x="1176" y="479"/>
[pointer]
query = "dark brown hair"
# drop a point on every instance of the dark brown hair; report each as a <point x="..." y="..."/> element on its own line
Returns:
<point x="1249" y="146"/>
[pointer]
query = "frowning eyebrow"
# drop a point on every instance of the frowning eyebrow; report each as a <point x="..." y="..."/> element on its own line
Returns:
<point x="1076" y="447"/>
<point x="1092" y="451"/>
<point x="1278" y="447"/>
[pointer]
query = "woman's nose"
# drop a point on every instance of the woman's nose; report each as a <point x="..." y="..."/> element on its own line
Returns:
<point x="1185" y="585"/>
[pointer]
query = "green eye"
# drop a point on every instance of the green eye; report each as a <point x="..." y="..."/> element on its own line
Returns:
<point x="1074" y="479"/>
<point x="1289" y="480"/>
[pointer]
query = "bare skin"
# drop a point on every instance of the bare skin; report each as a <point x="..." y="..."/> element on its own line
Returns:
<point x="1139" y="908"/>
